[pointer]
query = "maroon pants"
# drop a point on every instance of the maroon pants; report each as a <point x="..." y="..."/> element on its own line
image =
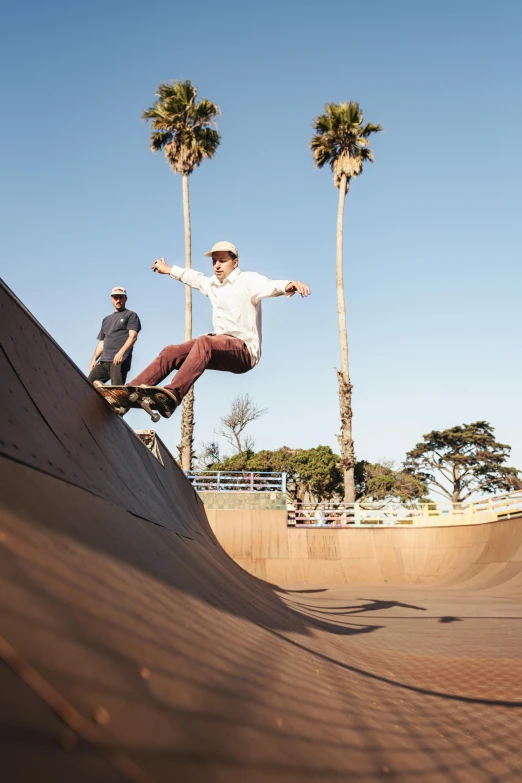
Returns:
<point x="191" y="359"/>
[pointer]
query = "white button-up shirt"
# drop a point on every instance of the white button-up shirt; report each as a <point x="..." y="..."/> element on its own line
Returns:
<point x="236" y="302"/>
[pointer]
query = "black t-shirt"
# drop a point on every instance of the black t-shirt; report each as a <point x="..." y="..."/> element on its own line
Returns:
<point x="114" y="332"/>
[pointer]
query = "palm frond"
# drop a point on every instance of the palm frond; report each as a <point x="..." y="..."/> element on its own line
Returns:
<point x="206" y="111"/>
<point x="369" y="129"/>
<point x="179" y="94"/>
<point x="184" y="129"/>
<point x="341" y="141"/>
<point x="208" y="140"/>
<point x="159" y="139"/>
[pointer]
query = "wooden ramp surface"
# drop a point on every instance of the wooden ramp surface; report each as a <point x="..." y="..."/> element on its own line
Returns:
<point x="483" y="556"/>
<point x="132" y="647"/>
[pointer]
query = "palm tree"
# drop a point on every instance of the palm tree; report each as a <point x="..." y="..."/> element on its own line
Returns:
<point x="341" y="140"/>
<point x="186" y="132"/>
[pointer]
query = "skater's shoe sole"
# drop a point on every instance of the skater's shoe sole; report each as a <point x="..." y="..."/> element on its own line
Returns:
<point x="113" y="400"/>
<point x="166" y="403"/>
<point x="163" y="400"/>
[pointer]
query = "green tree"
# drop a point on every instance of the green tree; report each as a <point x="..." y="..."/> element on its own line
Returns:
<point x="318" y="474"/>
<point x="279" y="461"/>
<point x="312" y="473"/>
<point x="462" y="460"/>
<point x="341" y="141"/>
<point x="382" y="482"/>
<point x="186" y="132"/>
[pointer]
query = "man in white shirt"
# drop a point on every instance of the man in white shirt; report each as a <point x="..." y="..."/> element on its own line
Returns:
<point x="235" y="344"/>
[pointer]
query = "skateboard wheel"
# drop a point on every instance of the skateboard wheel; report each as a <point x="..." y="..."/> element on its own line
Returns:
<point x="155" y="417"/>
<point x="133" y="397"/>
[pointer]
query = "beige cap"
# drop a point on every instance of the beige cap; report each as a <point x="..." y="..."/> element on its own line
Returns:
<point x="118" y="290"/>
<point x="223" y="246"/>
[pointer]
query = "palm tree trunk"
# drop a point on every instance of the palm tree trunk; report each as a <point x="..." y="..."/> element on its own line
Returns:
<point x="187" y="410"/>
<point x="345" y="387"/>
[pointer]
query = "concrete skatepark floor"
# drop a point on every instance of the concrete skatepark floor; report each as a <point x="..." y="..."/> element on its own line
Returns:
<point x="132" y="647"/>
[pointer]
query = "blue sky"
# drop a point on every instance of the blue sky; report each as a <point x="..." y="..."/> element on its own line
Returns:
<point x="432" y="230"/>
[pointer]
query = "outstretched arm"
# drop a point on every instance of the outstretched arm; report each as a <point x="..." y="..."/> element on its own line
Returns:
<point x="262" y="287"/>
<point x="188" y="276"/>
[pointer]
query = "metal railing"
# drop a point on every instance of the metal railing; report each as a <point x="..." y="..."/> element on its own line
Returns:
<point x="237" y="481"/>
<point x="363" y="512"/>
<point x="368" y="513"/>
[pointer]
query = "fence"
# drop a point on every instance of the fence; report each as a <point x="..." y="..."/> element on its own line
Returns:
<point x="363" y="512"/>
<point x="237" y="481"/>
<point x="367" y="513"/>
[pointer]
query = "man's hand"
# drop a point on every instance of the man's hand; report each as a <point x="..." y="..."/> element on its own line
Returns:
<point x="296" y="285"/>
<point x="119" y="357"/>
<point x="92" y="364"/>
<point x="160" y="266"/>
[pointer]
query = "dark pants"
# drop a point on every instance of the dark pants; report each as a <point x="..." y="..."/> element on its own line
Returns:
<point x="116" y="373"/>
<point x="191" y="359"/>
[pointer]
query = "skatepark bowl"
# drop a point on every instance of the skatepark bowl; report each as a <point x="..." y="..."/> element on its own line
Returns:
<point x="133" y="647"/>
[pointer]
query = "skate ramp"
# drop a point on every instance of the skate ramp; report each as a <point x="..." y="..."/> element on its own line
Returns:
<point x="132" y="647"/>
<point x="480" y="556"/>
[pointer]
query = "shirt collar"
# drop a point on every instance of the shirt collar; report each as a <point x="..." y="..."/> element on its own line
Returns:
<point x="230" y="279"/>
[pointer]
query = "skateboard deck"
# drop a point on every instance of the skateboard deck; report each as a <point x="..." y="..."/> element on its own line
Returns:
<point x="153" y="399"/>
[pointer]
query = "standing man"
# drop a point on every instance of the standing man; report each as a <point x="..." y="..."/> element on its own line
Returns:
<point x="235" y="344"/>
<point x="119" y="331"/>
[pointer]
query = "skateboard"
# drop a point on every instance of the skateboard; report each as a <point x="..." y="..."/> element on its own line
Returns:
<point x="153" y="399"/>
